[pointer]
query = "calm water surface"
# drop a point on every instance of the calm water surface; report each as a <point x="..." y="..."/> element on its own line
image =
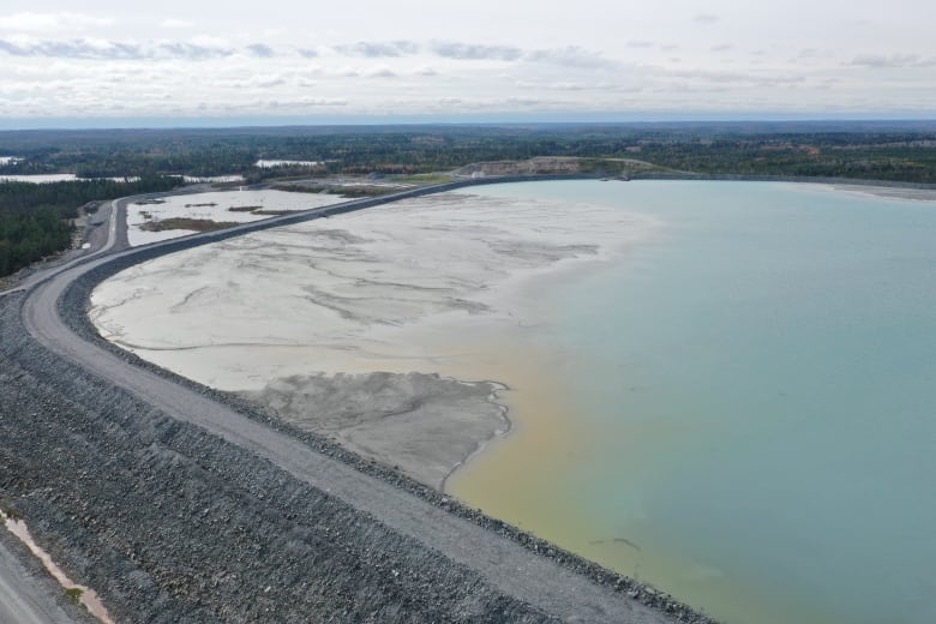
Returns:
<point x="755" y="393"/>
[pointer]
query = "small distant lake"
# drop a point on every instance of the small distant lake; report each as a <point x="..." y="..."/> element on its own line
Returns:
<point x="57" y="177"/>
<point x="755" y="389"/>
<point x="39" y="178"/>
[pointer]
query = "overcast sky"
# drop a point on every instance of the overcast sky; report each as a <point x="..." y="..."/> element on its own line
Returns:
<point x="507" y="58"/>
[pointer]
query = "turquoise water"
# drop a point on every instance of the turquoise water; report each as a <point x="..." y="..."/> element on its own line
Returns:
<point x="761" y="376"/>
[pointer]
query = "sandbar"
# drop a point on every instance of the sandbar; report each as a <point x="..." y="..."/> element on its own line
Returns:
<point x="385" y="329"/>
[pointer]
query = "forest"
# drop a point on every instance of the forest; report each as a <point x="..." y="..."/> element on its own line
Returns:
<point x="33" y="219"/>
<point x="36" y="219"/>
<point x="894" y="151"/>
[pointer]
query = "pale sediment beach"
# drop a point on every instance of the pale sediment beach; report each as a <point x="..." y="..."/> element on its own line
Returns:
<point x="240" y="206"/>
<point x="399" y="330"/>
<point x="911" y="193"/>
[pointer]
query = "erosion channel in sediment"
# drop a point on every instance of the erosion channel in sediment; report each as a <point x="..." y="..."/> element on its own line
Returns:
<point x="192" y="506"/>
<point x="377" y="328"/>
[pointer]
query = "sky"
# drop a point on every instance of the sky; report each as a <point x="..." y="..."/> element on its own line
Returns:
<point x="504" y="59"/>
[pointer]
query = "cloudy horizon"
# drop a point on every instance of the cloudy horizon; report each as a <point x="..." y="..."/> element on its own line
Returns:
<point x="413" y="60"/>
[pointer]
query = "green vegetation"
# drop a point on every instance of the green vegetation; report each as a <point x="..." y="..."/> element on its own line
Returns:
<point x="25" y="238"/>
<point x="337" y="189"/>
<point x="352" y="192"/>
<point x="424" y="178"/>
<point x="904" y="151"/>
<point x="274" y="213"/>
<point x="899" y="158"/>
<point x="34" y="218"/>
<point x="183" y="223"/>
<point x="300" y="188"/>
<point x="74" y="594"/>
<point x="619" y="166"/>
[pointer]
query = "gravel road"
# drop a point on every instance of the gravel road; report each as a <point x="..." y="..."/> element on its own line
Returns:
<point x="27" y="594"/>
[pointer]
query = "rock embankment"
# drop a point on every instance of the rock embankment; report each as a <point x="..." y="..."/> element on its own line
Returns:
<point x="171" y="524"/>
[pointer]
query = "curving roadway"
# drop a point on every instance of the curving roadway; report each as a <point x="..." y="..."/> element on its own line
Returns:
<point x="504" y="563"/>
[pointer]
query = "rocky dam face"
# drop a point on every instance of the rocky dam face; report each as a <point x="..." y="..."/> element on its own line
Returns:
<point x="171" y="524"/>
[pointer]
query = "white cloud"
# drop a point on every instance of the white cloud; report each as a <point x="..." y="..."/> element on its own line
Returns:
<point x="177" y="24"/>
<point x="211" y="41"/>
<point x="476" y="52"/>
<point x="325" y="102"/>
<point x="380" y="49"/>
<point x="590" y="55"/>
<point x="572" y="56"/>
<point x="886" y="61"/>
<point x="97" y="49"/>
<point x="191" y="51"/>
<point x="566" y="86"/>
<point x="738" y="78"/>
<point x="379" y="72"/>
<point x="260" y="50"/>
<point x="260" y="82"/>
<point x="87" y="48"/>
<point x="705" y="18"/>
<point x="51" y="22"/>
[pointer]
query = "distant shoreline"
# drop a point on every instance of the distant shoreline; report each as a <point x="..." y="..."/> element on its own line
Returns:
<point x="781" y="178"/>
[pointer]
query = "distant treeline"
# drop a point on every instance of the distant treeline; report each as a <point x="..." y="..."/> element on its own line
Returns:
<point x="35" y="218"/>
<point x="897" y="151"/>
<point x="31" y="217"/>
